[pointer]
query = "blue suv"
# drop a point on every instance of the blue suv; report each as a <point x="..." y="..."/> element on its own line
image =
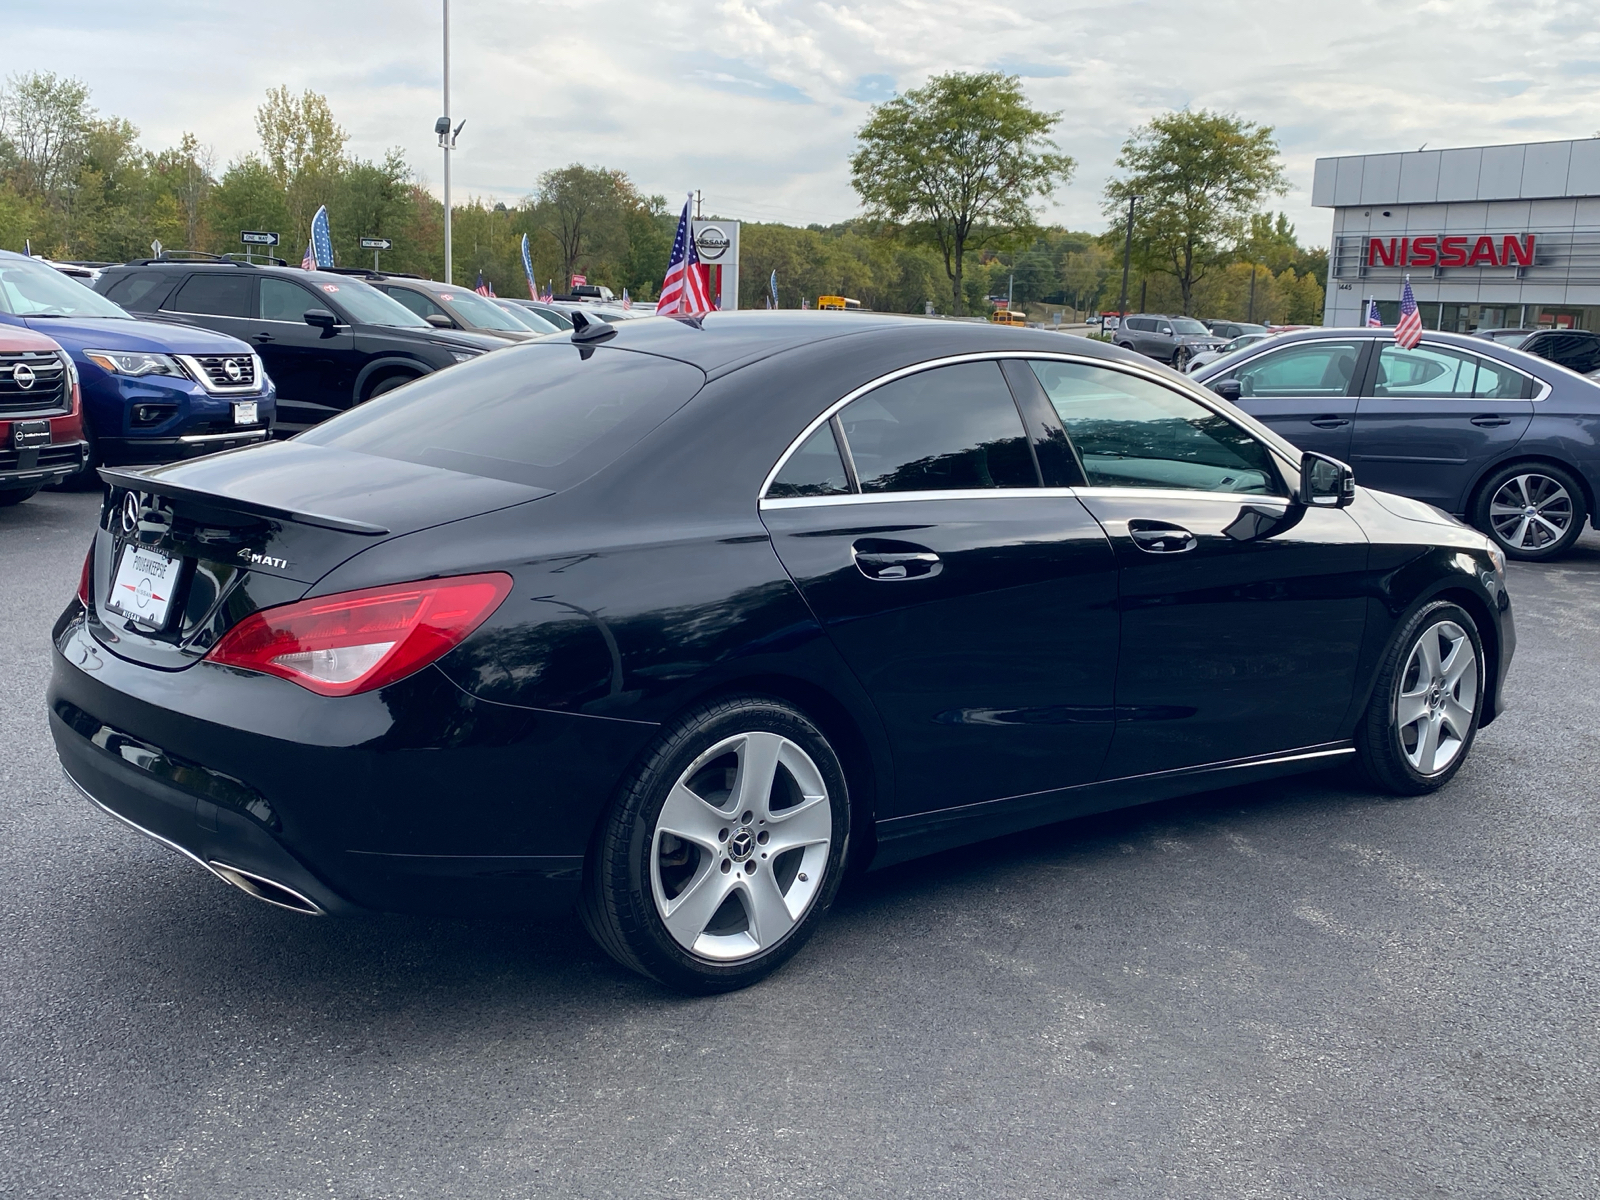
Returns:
<point x="152" y="392"/>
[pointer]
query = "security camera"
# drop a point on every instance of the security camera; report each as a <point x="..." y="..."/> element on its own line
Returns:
<point x="442" y="126"/>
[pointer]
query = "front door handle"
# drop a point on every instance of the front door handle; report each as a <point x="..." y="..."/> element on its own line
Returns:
<point x="1329" y="422"/>
<point x="263" y="337"/>
<point x="1157" y="537"/>
<point x="1490" y="422"/>
<point x="895" y="560"/>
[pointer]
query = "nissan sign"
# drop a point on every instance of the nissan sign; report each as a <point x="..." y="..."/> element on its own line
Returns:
<point x="1453" y="251"/>
<point x="712" y="243"/>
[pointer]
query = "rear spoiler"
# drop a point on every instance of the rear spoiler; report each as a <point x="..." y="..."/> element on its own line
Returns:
<point x="140" y="482"/>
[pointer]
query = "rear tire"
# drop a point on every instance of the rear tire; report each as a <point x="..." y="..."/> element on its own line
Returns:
<point x="11" y="496"/>
<point x="724" y="849"/>
<point x="1534" y="511"/>
<point x="1423" y="715"/>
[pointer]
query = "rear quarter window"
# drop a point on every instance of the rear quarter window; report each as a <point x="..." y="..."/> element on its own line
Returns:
<point x="542" y="415"/>
<point x="141" y="291"/>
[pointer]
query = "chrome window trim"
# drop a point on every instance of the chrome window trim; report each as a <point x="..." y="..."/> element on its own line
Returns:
<point x="1180" y="384"/>
<point x="1074" y="493"/>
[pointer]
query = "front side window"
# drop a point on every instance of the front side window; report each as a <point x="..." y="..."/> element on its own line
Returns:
<point x="1131" y="432"/>
<point x="1424" y="372"/>
<point x="214" y="294"/>
<point x="1188" y="325"/>
<point x="949" y="428"/>
<point x="139" y="290"/>
<point x="284" y="300"/>
<point x="478" y="312"/>
<point x="1306" y="369"/>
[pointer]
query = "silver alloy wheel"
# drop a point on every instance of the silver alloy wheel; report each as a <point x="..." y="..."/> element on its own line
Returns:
<point x="1530" y="512"/>
<point x="740" y="847"/>
<point x="1437" y="698"/>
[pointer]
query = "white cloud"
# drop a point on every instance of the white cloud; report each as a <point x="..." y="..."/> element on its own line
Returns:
<point x="756" y="101"/>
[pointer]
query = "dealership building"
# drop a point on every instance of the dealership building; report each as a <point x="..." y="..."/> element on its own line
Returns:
<point x="1491" y="236"/>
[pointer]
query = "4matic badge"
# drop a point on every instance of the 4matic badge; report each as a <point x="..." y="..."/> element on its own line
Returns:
<point x="263" y="560"/>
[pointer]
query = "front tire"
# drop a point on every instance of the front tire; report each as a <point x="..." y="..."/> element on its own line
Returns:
<point x="723" y="851"/>
<point x="1181" y="357"/>
<point x="1423" y="715"/>
<point x="387" y="384"/>
<point x="1534" y="511"/>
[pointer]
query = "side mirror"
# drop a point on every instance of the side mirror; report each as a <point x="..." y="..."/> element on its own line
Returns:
<point x="321" y="318"/>
<point x="439" y="321"/>
<point x="1228" y="389"/>
<point x="1326" y="482"/>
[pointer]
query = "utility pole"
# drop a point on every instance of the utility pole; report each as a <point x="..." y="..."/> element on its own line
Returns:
<point x="1252" y="317"/>
<point x="1127" y="255"/>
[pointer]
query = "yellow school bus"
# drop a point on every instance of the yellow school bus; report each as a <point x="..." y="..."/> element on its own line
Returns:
<point x="837" y="302"/>
<point x="1004" y="316"/>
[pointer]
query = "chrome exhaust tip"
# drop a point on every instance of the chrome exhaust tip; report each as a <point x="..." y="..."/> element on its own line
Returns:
<point x="265" y="889"/>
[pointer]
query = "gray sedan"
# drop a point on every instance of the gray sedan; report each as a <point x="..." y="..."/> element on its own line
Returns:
<point x="1505" y="440"/>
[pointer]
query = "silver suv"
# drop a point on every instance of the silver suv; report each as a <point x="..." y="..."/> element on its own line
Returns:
<point x="1172" y="340"/>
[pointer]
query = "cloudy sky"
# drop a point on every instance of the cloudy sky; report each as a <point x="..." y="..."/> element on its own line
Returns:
<point x="756" y="101"/>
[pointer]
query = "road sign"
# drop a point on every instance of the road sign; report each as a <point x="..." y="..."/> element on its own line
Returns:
<point x="155" y="248"/>
<point x="252" y="237"/>
<point x="376" y="244"/>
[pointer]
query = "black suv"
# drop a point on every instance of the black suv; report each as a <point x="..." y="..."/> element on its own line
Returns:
<point x="328" y="341"/>
<point x="1576" y="349"/>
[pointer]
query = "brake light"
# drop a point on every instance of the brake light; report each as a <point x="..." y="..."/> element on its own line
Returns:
<point x="85" y="576"/>
<point x="356" y="641"/>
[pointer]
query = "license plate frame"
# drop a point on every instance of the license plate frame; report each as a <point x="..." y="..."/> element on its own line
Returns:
<point x="246" y="412"/>
<point x="151" y="578"/>
<point x="30" y="435"/>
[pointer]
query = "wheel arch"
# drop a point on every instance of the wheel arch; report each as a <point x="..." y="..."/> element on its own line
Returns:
<point x="388" y="365"/>
<point x="1514" y="459"/>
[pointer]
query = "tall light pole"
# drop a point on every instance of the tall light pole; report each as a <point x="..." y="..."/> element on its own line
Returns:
<point x="1127" y="252"/>
<point x="447" y="142"/>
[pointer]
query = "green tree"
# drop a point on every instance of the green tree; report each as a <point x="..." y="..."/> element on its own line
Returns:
<point x="304" y="149"/>
<point x="1083" y="274"/>
<point x="1199" y="177"/>
<point x="958" y="161"/>
<point x="584" y="207"/>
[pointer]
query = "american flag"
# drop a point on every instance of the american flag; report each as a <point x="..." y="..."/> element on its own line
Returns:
<point x="1408" y="329"/>
<point x="684" y="291"/>
<point x="1373" y="319"/>
<point x="627" y="300"/>
<point x="483" y="289"/>
<point x="308" y="261"/>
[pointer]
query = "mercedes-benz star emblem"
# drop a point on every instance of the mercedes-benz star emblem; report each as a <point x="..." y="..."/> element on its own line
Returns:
<point x="22" y="375"/>
<point x="230" y="368"/>
<point x="130" y="512"/>
<point x="741" y="844"/>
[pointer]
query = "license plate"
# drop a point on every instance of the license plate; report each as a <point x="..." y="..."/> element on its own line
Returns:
<point x="244" y="412"/>
<point x="25" y="435"/>
<point x="144" y="585"/>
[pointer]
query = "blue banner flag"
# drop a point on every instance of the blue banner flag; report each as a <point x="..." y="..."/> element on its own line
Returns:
<point x="321" y="240"/>
<point x="527" y="266"/>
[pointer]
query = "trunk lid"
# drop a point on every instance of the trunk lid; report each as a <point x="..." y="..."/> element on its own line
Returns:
<point x="253" y="528"/>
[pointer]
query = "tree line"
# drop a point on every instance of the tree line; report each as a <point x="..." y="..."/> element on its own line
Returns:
<point x="948" y="174"/>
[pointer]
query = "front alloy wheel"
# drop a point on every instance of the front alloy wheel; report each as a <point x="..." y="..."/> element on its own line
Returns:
<point x="723" y="850"/>
<point x="1181" y="357"/>
<point x="1423" y="714"/>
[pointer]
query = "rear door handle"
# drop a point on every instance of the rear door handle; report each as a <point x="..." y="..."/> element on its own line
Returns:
<point x="889" y="565"/>
<point x="1329" y="422"/>
<point x="1157" y="537"/>
<point x="1490" y="422"/>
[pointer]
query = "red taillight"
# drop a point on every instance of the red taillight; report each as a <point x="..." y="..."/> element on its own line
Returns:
<point x="85" y="575"/>
<point x="356" y="641"/>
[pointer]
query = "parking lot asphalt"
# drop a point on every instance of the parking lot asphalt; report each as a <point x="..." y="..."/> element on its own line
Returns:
<point x="1293" y="989"/>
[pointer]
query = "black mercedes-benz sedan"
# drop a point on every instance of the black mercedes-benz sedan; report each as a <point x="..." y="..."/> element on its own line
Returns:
<point x="678" y="621"/>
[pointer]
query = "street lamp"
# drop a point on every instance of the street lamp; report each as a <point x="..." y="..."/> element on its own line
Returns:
<point x="447" y="142"/>
<point x="1127" y="253"/>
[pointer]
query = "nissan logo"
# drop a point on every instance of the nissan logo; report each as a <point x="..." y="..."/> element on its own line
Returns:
<point x="712" y="243"/>
<point x="130" y="512"/>
<point x="22" y="375"/>
<point x="230" y="368"/>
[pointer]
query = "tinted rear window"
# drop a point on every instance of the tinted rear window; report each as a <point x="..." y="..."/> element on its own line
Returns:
<point x="216" y="294"/>
<point x="541" y="415"/>
<point x="141" y="290"/>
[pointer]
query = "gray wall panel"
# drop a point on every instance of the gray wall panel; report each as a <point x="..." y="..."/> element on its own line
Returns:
<point x="1500" y="175"/>
<point x="1544" y="169"/>
<point x="1458" y="173"/>
<point x="1380" y="179"/>
<point x="1583" y="176"/>
<point x="1347" y="185"/>
<point x="1322" y="177"/>
<point x="1419" y="178"/>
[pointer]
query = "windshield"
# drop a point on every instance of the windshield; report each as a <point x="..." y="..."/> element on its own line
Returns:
<point x="527" y="317"/>
<point x="31" y="289"/>
<point x="476" y="311"/>
<point x="366" y="305"/>
<point x="1187" y="325"/>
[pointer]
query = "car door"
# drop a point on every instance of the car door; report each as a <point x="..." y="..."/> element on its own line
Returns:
<point x="1431" y="418"/>
<point x="1241" y="611"/>
<point x="1304" y="391"/>
<point x="977" y="608"/>
<point x="310" y="364"/>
